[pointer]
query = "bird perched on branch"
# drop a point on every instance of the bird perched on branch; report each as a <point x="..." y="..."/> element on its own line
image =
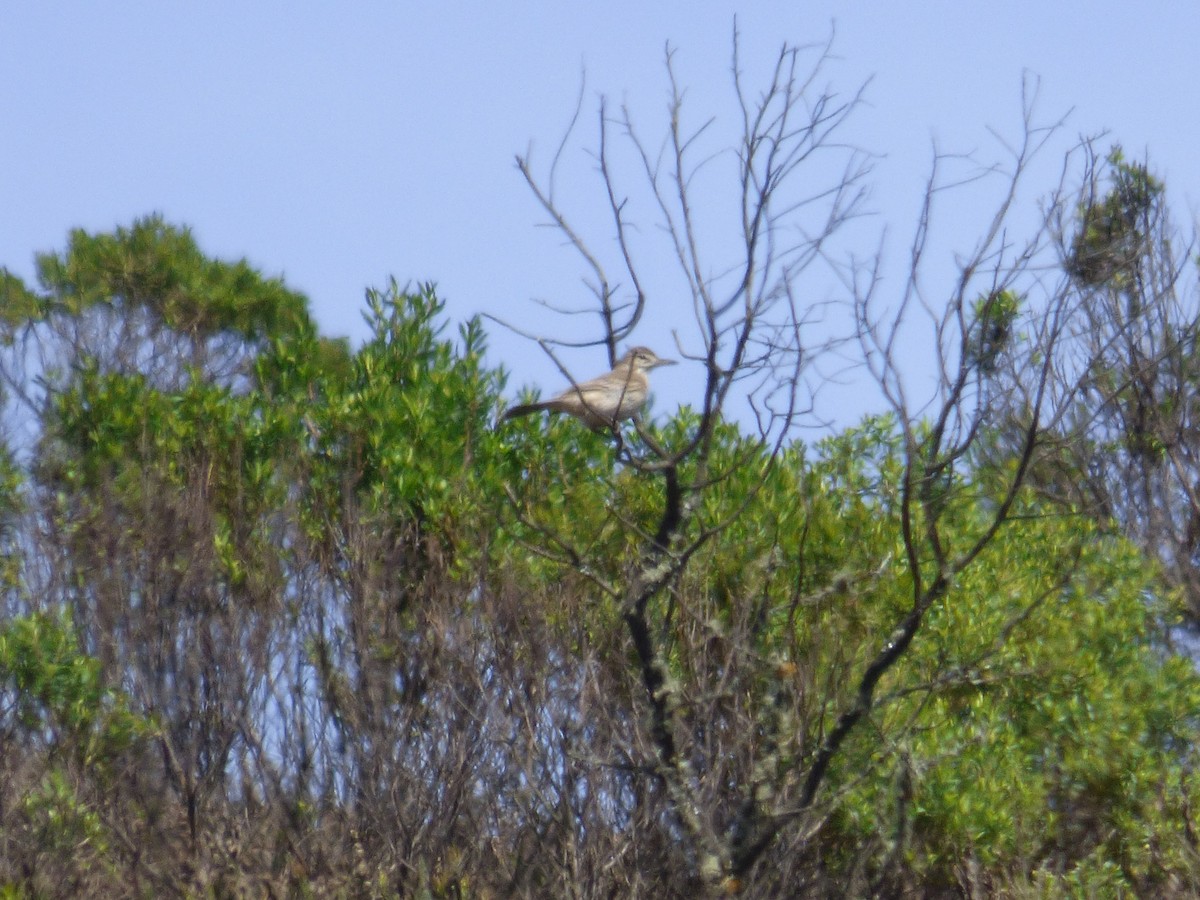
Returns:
<point x="604" y="401"/>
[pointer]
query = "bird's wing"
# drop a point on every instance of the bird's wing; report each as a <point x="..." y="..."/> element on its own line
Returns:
<point x="591" y="392"/>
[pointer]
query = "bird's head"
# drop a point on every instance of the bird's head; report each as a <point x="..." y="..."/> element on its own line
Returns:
<point x="643" y="359"/>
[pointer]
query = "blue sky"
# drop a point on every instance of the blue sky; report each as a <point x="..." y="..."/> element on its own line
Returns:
<point x="338" y="145"/>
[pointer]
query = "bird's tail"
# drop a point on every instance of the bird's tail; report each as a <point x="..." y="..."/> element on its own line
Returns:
<point x="523" y="409"/>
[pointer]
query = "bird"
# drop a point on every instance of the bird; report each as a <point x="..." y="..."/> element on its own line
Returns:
<point x="607" y="399"/>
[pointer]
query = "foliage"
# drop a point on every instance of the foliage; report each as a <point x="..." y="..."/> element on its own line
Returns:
<point x="68" y="739"/>
<point x="994" y="317"/>
<point x="57" y="692"/>
<point x="159" y="268"/>
<point x="1113" y="229"/>
<point x="1123" y="451"/>
<point x="330" y="590"/>
<point x="295" y="618"/>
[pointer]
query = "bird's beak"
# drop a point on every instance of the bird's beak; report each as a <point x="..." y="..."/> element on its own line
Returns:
<point x="665" y="362"/>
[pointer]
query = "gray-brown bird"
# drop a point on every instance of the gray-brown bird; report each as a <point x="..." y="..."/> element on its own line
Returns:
<point x="606" y="400"/>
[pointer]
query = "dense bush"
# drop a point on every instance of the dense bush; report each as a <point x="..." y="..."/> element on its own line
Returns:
<point x="287" y="619"/>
